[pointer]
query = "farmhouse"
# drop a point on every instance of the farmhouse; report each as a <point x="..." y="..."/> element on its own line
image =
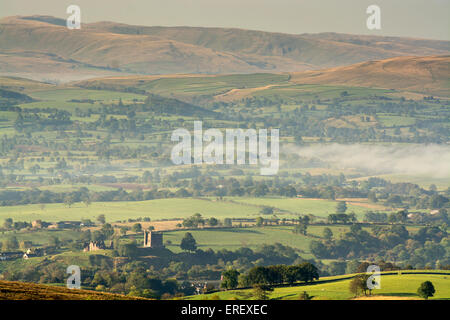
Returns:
<point x="27" y="256"/>
<point x="39" y="224"/>
<point x="30" y="253"/>
<point x="65" y="225"/>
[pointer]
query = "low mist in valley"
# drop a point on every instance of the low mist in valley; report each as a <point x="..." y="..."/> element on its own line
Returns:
<point x="426" y="160"/>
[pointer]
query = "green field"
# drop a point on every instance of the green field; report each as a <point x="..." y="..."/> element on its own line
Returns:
<point x="423" y="181"/>
<point x="173" y="208"/>
<point x="310" y="91"/>
<point x="235" y="238"/>
<point x="317" y="207"/>
<point x="41" y="237"/>
<point x="391" y="121"/>
<point x="75" y="93"/>
<point x="404" y="286"/>
<point x="155" y="209"/>
<point x="211" y="85"/>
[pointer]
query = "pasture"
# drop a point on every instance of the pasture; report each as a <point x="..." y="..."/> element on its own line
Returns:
<point x="318" y="207"/>
<point x="173" y="208"/>
<point x="397" y="286"/>
<point x="235" y="238"/>
<point x="77" y="93"/>
<point x="122" y="210"/>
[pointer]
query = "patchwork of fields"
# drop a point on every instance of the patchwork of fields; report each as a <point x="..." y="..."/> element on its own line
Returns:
<point x="359" y="135"/>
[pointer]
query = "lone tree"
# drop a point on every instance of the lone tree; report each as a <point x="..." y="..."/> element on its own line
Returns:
<point x="213" y="222"/>
<point x="302" y="225"/>
<point x="227" y="222"/>
<point x="137" y="227"/>
<point x="8" y="224"/>
<point x="188" y="242"/>
<point x="304" y="296"/>
<point x="259" y="221"/>
<point x="87" y="201"/>
<point x="101" y="219"/>
<point x="359" y="285"/>
<point x="261" y="291"/>
<point x="267" y="210"/>
<point x="69" y="201"/>
<point x="426" y="290"/>
<point x="301" y="228"/>
<point x="327" y="233"/>
<point x="341" y="207"/>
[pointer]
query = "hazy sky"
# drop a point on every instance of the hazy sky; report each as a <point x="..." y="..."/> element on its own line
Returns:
<point x="414" y="18"/>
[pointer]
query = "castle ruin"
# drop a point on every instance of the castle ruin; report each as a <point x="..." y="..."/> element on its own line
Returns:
<point x="153" y="239"/>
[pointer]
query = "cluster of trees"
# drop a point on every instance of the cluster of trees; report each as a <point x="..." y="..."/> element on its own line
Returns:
<point x="341" y="218"/>
<point x="403" y="216"/>
<point x="270" y="275"/>
<point x="429" y="247"/>
<point x="141" y="274"/>
<point x="341" y="267"/>
<point x="197" y="220"/>
<point x="278" y="274"/>
<point x="134" y="279"/>
<point x="9" y="224"/>
<point x="34" y="122"/>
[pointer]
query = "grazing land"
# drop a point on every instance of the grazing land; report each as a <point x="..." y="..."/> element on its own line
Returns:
<point x="395" y="287"/>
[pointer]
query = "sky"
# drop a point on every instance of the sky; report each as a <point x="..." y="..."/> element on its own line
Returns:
<point x="410" y="18"/>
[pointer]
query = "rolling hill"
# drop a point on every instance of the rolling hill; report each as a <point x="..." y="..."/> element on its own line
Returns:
<point x="317" y="50"/>
<point x="394" y="286"/>
<point x="39" y="45"/>
<point x="429" y="75"/>
<point x="425" y="75"/>
<point x="61" y="49"/>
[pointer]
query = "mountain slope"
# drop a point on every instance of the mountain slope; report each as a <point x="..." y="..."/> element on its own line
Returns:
<point x="429" y="75"/>
<point x="320" y="50"/>
<point x="43" y="45"/>
<point x="143" y="54"/>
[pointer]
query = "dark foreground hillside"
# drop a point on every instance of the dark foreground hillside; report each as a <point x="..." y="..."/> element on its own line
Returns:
<point x="12" y="290"/>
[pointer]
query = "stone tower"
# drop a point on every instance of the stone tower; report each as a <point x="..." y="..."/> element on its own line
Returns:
<point x="153" y="239"/>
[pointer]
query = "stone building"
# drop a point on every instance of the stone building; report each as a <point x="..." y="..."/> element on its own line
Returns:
<point x="153" y="239"/>
<point x="94" y="246"/>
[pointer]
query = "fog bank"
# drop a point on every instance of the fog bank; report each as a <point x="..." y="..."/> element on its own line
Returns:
<point x="428" y="160"/>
